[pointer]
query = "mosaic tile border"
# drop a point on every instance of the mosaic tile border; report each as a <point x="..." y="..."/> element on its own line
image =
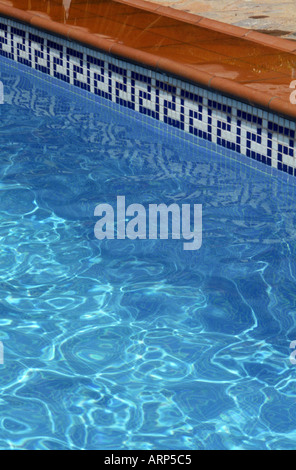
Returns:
<point x="250" y="131"/>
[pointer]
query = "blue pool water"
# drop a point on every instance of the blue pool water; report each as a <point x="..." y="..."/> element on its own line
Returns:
<point x="121" y="344"/>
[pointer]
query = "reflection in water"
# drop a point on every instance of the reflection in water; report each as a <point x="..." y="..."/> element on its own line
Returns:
<point x="137" y="344"/>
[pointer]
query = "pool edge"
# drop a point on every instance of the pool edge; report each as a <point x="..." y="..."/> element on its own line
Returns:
<point x="212" y="82"/>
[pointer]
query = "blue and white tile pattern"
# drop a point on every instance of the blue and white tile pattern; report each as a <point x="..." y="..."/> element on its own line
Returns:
<point x="250" y="131"/>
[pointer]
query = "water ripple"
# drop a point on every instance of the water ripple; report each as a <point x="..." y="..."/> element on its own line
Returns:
<point x="137" y="344"/>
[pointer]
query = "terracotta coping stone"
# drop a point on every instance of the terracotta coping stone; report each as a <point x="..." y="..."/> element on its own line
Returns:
<point x="191" y="73"/>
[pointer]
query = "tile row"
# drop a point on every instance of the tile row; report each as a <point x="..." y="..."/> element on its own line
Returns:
<point x="244" y="129"/>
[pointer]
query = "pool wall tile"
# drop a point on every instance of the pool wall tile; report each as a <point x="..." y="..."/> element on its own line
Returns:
<point x="258" y="135"/>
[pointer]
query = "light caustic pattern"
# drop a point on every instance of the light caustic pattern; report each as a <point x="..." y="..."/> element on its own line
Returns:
<point x="137" y="344"/>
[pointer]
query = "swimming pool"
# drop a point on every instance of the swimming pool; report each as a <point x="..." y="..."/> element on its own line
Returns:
<point x="137" y="344"/>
